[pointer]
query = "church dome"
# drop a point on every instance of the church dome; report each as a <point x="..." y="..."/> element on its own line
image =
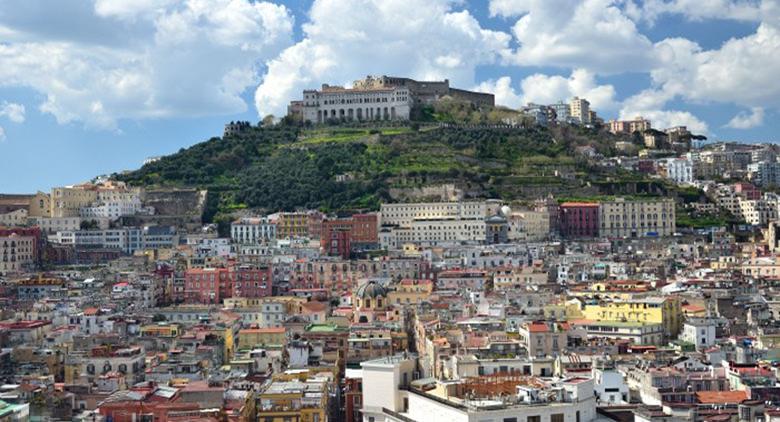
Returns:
<point x="370" y="290"/>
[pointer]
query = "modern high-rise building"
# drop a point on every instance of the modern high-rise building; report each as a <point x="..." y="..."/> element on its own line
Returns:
<point x="579" y="108"/>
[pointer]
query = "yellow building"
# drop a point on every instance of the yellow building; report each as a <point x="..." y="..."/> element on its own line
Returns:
<point x="664" y="310"/>
<point x="563" y="311"/>
<point x="160" y="330"/>
<point x="636" y="218"/>
<point x="294" y="400"/>
<point x="40" y="205"/>
<point x="250" y="338"/>
<point x="292" y="224"/>
<point x="613" y="290"/>
<point x="67" y="201"/>
<point x="410" y="292"/>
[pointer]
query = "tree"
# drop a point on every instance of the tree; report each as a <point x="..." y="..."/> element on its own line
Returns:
<point x="268" y="121"/>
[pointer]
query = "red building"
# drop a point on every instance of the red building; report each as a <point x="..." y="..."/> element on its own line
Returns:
<point x="34" y="232"/>
<point x="332" y="276"/>
<point x="339" y="243"/>
<point x="747" y="191"/>
<point x="579" y="219"/>
<point x="148" y="402"/>
<point x="212" y="285"/>
<point x="353" y="399"/>
<point x="362" y="229"/>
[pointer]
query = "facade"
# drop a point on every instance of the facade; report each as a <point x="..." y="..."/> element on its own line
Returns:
<point x="291" y="225"/>
<point x="544" y="338"/>
<point x="213" y="285"/>
<point x="650" y="310"/>
<point x="764" y="173"/>
<point x="636" y="332"/>
<point x="637" y="218"/>
<point x="126" y="240"/>
<point x="405" y="214"/>
<point x="68" y="201"/>
<point x="562" y="112"/>
<point x="338" y="103"/>
<point x="580" y="110"/>
<point x="17" y="253"/>
<point x="579" y="219"/>
<point x="757" y="212"/>
<point x="14" y="218"/>
<point x="700" y="332"/>
<point x="253" y="230"/>
<point x="679" y="170"/>
<point x="638" y="124"/>
<point x="436" y="232"/>
<point x="426" y="92"/>
<point x="294" y="400"/>
<point x="529" y="225"/>
<point x="359" y="231"/>
<point x="392" y="392"/>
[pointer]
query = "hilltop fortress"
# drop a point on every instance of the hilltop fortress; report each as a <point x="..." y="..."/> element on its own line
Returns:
<point x="377" y="98"/>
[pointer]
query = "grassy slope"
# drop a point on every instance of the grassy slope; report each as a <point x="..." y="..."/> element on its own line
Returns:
<point x="286" y="168"/>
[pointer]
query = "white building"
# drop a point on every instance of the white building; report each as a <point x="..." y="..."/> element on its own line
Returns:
<point x="113" y="209"/>
<point x="253" y="230"/>
<point x="700" y="332"/>
<point x="434" y="232"/>
<point x="679" y="170"/>
<point x="338" y="103"/>
<point x="393" y="392"/>
<point x="610" y="385"/>
<point x="56" y="224"/>
<point x="405" y="214"/>
<point x="764" y="173"/>
<point x="757" y="211"/>
<point x="14" y="218"/>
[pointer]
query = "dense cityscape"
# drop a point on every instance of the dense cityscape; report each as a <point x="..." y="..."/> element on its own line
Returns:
<point x="649" y="297"/>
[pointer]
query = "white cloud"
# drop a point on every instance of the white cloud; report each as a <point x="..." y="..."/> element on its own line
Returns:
<point x="697" y="10"/>
<point x="543" y="89"/>
<point x="175" y="58"/>
<point x="348" y="39"/>
<point x="593" y="34"/>
<point x="747" y="120"/>
<point x="13" y="111"/>
<point x="651" y="104"/>
<point x="2" y="134"/>
<point x="503" y="90"/>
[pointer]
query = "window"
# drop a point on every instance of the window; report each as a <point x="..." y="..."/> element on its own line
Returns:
<point x="556" y="417"/>
<point x="536" y="418"/>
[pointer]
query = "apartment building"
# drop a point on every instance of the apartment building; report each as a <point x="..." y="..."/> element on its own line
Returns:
<point x="652" y="309"/>
<point x="757" y="212"/>
<point x="638" y="124"/>
<point x="404" y="215"/>
<point x="253" y="230"/>
<point x="580" y="110"/>
<point x="17" y="253"/>
<point x="579" y="219"/>
<point x="636" y="218"/>
<point x="679" y="170"/>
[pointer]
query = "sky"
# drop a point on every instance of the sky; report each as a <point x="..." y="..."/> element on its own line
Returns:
<point x="92" y="87"/>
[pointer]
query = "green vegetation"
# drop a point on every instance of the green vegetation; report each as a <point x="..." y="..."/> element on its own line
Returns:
<point x="689" y="219"/>
<point x="284" y="167"/>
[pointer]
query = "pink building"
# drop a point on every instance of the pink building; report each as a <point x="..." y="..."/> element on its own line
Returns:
<point x="579" y="219"/>
<point x="212" y="285"/>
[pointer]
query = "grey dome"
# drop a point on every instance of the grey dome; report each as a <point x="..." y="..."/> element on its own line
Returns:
<point x="370" y="290"/>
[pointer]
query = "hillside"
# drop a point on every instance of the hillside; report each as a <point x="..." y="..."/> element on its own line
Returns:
<point x="341" y="168"/>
